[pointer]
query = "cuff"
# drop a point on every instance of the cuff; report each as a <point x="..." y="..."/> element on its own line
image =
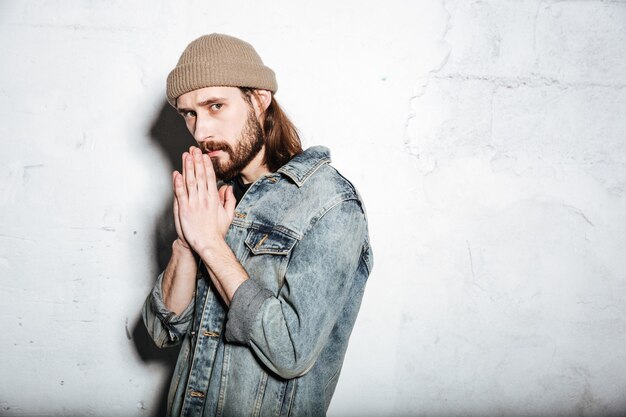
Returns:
<point x="176" y="325"/>
<point x="244" y="307"/>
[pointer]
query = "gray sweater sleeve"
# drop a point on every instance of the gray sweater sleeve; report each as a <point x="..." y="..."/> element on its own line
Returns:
<point x="164" y="326"/>
<point x="244" y="307"/>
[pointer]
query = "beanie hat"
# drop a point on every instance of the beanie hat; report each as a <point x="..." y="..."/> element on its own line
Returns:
<point x="218" y="60"/>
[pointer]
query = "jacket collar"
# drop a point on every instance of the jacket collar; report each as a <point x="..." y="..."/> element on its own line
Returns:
<point x="302" y="166"/>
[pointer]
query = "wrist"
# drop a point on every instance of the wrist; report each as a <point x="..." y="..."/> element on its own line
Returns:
<point x="181" y="248"/>
<point x="212" y="248"/>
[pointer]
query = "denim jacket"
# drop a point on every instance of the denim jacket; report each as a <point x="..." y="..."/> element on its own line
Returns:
<point x="301" y="235"/>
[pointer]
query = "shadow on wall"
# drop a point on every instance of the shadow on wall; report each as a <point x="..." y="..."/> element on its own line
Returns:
<point x="169" y="134"/>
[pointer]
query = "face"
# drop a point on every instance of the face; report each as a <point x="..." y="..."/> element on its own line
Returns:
<point x="225" y="126"/>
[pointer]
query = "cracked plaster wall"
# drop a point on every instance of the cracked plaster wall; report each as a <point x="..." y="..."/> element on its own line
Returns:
<point x="486" y="137"/>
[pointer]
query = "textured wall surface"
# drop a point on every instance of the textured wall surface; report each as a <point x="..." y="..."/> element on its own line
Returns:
<point x="486" y="137"/>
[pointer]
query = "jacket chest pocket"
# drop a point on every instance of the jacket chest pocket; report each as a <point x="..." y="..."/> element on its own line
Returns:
<point x="270" y="242"/>
<point x="269" y="253"/>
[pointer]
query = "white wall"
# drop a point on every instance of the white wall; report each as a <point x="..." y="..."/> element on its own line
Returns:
<point x="487" y="138"/>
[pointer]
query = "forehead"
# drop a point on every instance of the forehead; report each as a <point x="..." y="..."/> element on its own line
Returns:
<point x="205" y="94"/>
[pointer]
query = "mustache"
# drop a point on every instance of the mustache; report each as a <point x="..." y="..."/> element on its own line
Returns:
<point x="215" y="146"/>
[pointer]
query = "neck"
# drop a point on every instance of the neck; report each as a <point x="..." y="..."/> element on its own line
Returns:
<point x="255" y="169"/>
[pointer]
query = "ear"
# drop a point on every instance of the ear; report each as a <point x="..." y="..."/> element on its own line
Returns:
<point x="262" y="101"/>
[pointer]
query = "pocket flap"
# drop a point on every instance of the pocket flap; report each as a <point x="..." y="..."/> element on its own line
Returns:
<point x="269" y="242"/>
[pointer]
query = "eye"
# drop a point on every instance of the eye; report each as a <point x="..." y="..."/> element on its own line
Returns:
<point x="188" y="114"/>
<point x="216" y="106"/>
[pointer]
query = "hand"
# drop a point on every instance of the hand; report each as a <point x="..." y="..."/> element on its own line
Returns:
<point x="180" y="239"/>
<point x="204" y="213"/>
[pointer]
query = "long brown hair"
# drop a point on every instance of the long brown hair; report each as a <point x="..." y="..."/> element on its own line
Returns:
<point x="282" y="141"/>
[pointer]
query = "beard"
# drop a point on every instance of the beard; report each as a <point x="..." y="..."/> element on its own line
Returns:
<point x="247" y="147"/>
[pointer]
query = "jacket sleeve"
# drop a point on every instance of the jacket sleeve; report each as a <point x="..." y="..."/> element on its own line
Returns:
<point x="165" y="327"/>
<point x="287" y="332"/>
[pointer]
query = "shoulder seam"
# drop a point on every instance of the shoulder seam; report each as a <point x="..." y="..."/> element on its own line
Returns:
<point x="341" y="198"/>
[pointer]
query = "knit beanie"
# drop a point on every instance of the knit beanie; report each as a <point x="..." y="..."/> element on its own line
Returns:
<point x="218" y="60"/>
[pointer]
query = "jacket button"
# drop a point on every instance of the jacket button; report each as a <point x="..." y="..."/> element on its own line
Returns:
<point x="197" y="394"/>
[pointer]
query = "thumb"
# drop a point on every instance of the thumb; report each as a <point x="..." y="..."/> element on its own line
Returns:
<point x="221" y="192"/>
<point x="230" y="202"/>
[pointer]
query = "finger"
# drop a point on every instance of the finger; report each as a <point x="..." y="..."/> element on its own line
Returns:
<point x="230" y="202"/>
<point x="177" y="226"/>
<point x="176" y="211"/>
<point x="222" y="193"/>
<point x="176" y="174"/>
<point x="198" y="165"/>
<point x="183" y="165"/>
<point x="210" y="176"/>
<point x="180" y="192"/>
<point x="192" y="149"/>
<point x="190" y="180"/>
<point x="176" y="219"/>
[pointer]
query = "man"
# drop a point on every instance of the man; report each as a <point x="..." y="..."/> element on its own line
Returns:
<point x="268" y="270"/>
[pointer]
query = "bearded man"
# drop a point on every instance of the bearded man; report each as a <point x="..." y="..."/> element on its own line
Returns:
<point x="272" y="255"/>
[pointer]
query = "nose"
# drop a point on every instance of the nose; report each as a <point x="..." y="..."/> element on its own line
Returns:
<point x="202" y="131"/>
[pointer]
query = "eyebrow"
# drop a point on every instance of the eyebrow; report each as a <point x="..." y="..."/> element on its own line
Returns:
<point x="204" y="103"/>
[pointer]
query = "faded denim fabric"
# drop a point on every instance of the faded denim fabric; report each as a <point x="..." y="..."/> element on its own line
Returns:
<point x="301" y="234"/>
